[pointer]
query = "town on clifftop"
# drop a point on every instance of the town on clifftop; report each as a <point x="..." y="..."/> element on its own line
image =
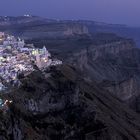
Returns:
<point x="17" y="57"/>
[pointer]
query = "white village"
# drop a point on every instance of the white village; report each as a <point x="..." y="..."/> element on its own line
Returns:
<point x="17" y="57"/>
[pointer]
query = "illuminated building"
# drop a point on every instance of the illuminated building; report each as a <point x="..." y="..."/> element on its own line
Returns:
<point x="2" y="34"/>
<point x="21" y="43"/>
<point x="38" y="61"/>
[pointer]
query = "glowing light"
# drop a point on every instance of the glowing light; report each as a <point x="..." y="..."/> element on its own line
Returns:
<point x="35" y="52"/>
<point x="10" y="101"/>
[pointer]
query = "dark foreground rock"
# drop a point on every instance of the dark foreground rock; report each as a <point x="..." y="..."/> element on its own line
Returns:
<point x="60" y="105"/>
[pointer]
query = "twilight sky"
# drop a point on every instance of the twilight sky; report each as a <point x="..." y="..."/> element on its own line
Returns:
<point x="110" y="11"/>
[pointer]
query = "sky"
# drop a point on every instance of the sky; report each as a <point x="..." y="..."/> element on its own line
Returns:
<point x="109" y="11"/>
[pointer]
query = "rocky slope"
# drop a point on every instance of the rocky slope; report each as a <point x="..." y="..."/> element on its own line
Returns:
<point x="114" y="64"/>
<point x="59" y="104"/>
<point x="111" y="61"/>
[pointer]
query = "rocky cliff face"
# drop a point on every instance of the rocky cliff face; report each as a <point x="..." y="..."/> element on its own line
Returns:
<point x="64" y="106"/>
<point x="103" y="56"/>
<point x="76" y="29"/>
<point x="113" y="64"/>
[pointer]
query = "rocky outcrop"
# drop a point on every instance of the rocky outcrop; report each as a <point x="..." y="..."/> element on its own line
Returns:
<point x="76" y="29"/>
<point x="64" y="106"/>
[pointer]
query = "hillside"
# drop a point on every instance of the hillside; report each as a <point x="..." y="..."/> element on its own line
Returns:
<point x="64" y="106"/>
<point x="114" y="64"/>
<point x="90" y="96"/>
<point x="37" y="27"/>
<point x="106" y="58"/>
